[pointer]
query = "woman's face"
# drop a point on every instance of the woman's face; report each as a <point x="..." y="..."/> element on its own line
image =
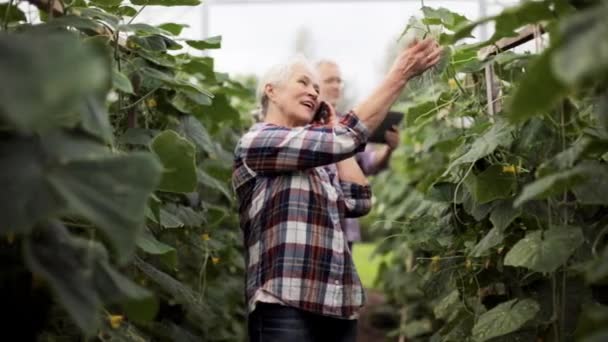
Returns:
<point x="297" y="98"/>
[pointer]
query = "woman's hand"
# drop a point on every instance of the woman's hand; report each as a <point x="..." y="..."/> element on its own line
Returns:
<point x="415" y="59"/>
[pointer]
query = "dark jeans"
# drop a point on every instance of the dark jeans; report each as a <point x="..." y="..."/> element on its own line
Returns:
<point x="278" y="323"/>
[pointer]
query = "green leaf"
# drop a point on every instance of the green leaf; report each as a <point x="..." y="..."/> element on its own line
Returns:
<point x="593" y="189"/>
<point x="111" y="192"/>
<point x="209" y="43"/>
<point x="137" y="302"/>
<point x="174" y="29"/>
<point x="504" y="214"/>
<point x="53" y="251"/>
<point x="193" y="129"/>
<point x="121" y="82"/>
<point x="14" y="14"/>
<point x="126" y="11"/>
<point x="498" y="135"/>
<point x="96" y="121"/>
<point x="538" y="92"/>
<point x="213" y="183"/>
<point x="491" y="240"/>
<point x="220" y="111"/>
<point x="555" y="183"/>
<point x="24" y="180"/>
<point x="95" y="13"/>
<point x="177" y="155"/>
<point x="545" y="251"/>
<point x="446" y="306"/>
<point x="506" y="22"/>
<point x="505" y="318"/>
<point x="149" y="244"/>
<point x="179" y="291"/>
<point x="190" y="90"/>
<point x="69" y="21"/>
<point x="169" y="220"/>
<point x="596" y="271"/>
<point x="90" y="282"/>
<point x="443" y="16"/>
<point x="166" y="2"/>
<point x="143" y="29"/>
<point x="46" y="91"/>
<point x="582" y="50"/>
<point x="153" y="43"/>
<point x="491" y="184"/>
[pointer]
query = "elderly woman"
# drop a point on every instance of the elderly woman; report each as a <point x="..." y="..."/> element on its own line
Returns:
<point x="296" y="181"/>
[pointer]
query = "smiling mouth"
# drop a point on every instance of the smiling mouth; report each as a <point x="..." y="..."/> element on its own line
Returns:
<point x="308" y="104"/>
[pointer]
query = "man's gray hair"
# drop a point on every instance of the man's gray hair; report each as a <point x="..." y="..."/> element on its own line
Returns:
<point x="277" y="75"/>
<point x="325" y="62"/>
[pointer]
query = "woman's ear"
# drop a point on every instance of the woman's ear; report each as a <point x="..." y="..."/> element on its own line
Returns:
<point x="270" y="91"/>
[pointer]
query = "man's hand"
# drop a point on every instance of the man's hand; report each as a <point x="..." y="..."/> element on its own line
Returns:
<point x="416" y="58"/>
<point x="392" y="138"/>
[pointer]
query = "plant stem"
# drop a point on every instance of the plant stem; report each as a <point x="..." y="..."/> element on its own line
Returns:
<point x="6" y="13"/>
<point x="136" y="14"/>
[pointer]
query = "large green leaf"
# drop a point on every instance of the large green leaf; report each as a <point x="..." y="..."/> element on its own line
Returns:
<point x="173" y="28"/>
<point x="538" y="92"/>
<point x="112" y="287"/>
<point x="73" y="21"/>
<point x="209" y="43"/>
<point x="498" y="135"/>
<point x="491" y="184"/>
<point x="23" y="179"/>
<point x="111" y="192"/>
<point x="545" y="251"/>
<point x="582" y="50"/>
<point x="96" y="121"/>
<point x="90" y="282"/>
<point x="597" y="270"/>
<point x="594" y="188"/>
<point x="492" y="239"/>
<point x="121" y="82"/>
<point x="153" y="43"/>
<point x="556" y="183"/>
<point x="503" y="214"/>
<point x="506" y="22"/>
<point x="177" y="155"/>
<point x="207" y="180"/>
<point x="219" y="111"/>
<point x="43" y="91"/>
<point x="193" y="129"/>
<point x="505" y="318"/>
<point x="443" y="16"/>
<point x="149" y="244"/>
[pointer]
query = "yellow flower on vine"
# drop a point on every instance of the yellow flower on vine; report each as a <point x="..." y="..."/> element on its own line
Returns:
<point x="115" y="320"/>
<point x="205" y="237"/>
<point x="435" y="266"/>
<point x="151" y="102"/>
<point x="509" y="169"/>
<point x="452" y="83"/>
<point x="215" y="260"/>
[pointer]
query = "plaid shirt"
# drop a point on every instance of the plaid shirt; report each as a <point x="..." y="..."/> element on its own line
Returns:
<point x="292" y="208"/>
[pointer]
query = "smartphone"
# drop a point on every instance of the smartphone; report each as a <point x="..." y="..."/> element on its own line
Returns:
<point x="321" y="114"/>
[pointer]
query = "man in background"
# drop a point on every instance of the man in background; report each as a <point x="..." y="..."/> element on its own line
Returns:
<point x="373" y="159"/>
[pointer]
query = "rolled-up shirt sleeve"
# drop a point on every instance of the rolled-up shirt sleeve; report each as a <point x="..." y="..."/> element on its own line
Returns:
<point x="282" y="149"/>
<point x="357" y="199"/>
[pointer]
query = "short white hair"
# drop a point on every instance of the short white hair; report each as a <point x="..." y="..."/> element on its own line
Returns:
<point x="325" y="62"/>
<point x="279" y="74"/>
